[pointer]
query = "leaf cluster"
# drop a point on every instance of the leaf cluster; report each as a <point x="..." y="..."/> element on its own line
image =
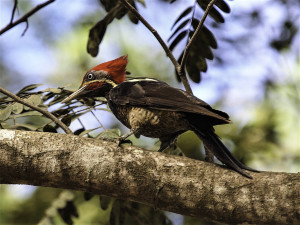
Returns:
<point x="64" y="206"/>
<point x="114" y="10"/>
<point x="14" y="115"/>
<point x="201" y="50"/>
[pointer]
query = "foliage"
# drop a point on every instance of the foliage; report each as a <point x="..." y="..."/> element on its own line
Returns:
<point x="14" y="115"/>
<point x="186" y="24"/>
<point x="114" y="10"/>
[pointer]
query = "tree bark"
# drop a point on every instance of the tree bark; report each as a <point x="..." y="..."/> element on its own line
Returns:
<point x="172" y="183"/>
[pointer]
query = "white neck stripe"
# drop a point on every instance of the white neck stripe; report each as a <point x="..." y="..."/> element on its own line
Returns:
<point x="141" y="79"/>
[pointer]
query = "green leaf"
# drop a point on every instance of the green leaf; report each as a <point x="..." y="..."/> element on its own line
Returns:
<point x="79" y="131"/>
<point x="61" y="112"/>
<point x="27" y="127"/>
<point x="179" y="28"/>
<point x="87" y="131"/>
<point x="67" y="195"/>
<point x="180" y="36"/>
<point x="53" y="90"/>
<point x="183" y="14"/>
<point x="110" y="134"/>
<point x="97" y="32"/>
<point x="29" y="113"/>
<point x="95" y="38"/>
<point x="28" y="88"/>
<point x="48" y="96"/>
<point x="199" y="48"/>
<point x="67" y="120"/>
<point x="71" y="117"/>
<point x="59" y="203"/>
<point x="49" y="128"/>
<point x="205" y="36"/>
<point x="34" y="100"/>
<point x="17" y="108"/>
<point x="56" y="99"/>
<point x="5" y="113"/>
<point x="142" y="2"/>
<point x="105" y="202"/>
<point x="223" y="6"/>
<point x="193" y="72"/>
<point x="131" y="15"/>
<point x="213" y="12"/>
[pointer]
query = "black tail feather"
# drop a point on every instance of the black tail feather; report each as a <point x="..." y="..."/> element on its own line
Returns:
<point x="212" y="142"/>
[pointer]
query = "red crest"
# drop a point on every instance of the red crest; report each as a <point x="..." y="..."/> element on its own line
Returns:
<point x="116" y="68"/>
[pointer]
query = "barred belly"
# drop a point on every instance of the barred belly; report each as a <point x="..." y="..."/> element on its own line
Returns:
<point x="156" y="123"/>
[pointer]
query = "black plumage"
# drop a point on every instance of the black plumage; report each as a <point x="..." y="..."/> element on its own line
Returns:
<point x="154" y="109"/>
<point x="162" y="99"/>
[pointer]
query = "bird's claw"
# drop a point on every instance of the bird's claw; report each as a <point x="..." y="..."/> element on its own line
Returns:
<point x="122" y="140"/>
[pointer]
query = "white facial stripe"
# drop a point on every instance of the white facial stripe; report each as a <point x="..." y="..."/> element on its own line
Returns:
<point x="104" y="80"/>
<point x="141" y="79"/>
<point x="110" y="82"/>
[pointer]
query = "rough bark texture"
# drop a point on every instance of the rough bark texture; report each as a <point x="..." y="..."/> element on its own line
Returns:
<point x="172" y="183"/>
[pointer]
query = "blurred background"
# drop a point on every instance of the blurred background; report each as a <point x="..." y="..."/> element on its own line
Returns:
<point x="255" y="78"/>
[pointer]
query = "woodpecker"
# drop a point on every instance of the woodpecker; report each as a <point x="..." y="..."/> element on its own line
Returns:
<point x="152" y="108"/>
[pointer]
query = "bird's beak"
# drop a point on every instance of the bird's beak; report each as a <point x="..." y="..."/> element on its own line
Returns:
<point x="81" y="91"/>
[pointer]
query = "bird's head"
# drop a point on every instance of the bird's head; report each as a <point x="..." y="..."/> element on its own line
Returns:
<point x="100" y="79"/>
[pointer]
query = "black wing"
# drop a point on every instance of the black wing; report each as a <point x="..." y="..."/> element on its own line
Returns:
<point x="155" y="94"/>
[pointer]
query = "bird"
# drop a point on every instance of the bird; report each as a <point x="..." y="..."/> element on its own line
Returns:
<point x="152" y="108"/>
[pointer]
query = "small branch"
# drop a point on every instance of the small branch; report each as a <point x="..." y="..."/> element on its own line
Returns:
<point x="25" y="17"/>
<point x="44" y="112"/>
<point x="200" y="25"/>
<point x="101" y="125"/>
<point x="162" y="43"/>
<point x="13" y="11"/>
<point x="26" y="28"/>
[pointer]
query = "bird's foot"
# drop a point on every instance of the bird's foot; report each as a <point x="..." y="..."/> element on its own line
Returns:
<point x="121" y="140"/>
<point x="171" y="143"/>
<point x="209" y="157"/>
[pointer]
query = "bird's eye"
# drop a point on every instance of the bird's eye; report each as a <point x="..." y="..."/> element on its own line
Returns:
<point x="90" y="76"/>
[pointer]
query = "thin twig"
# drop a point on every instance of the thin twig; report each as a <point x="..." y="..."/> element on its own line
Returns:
<point x="79" y="120"/>
<point x="25" y="17"/>
<point x="193" y="38"/>
<point x="90" y="108"/>
<point x="191" y="20"/>
<point x="26" y="28"/>
<point x="44" y="112"/>
<point x="98" y="120"/>
<point x="13" y="11"/>
<point x="162" y="43"/>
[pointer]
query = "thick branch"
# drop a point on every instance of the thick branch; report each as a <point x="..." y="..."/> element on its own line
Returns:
<point x="180" y="72"/>
<point x="44" y="112"/>
<point x="172" y="183"/>
<point x="25" y="17"/>
<point x="197" y="31"/>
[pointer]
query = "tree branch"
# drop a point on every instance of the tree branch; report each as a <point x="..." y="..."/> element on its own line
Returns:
<point x="44" y="112"/>
<point x="25" y="17"/>
<point x="181" y="73"/>
<point x="193" y="38"/>
<point x="177" y="184"/>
